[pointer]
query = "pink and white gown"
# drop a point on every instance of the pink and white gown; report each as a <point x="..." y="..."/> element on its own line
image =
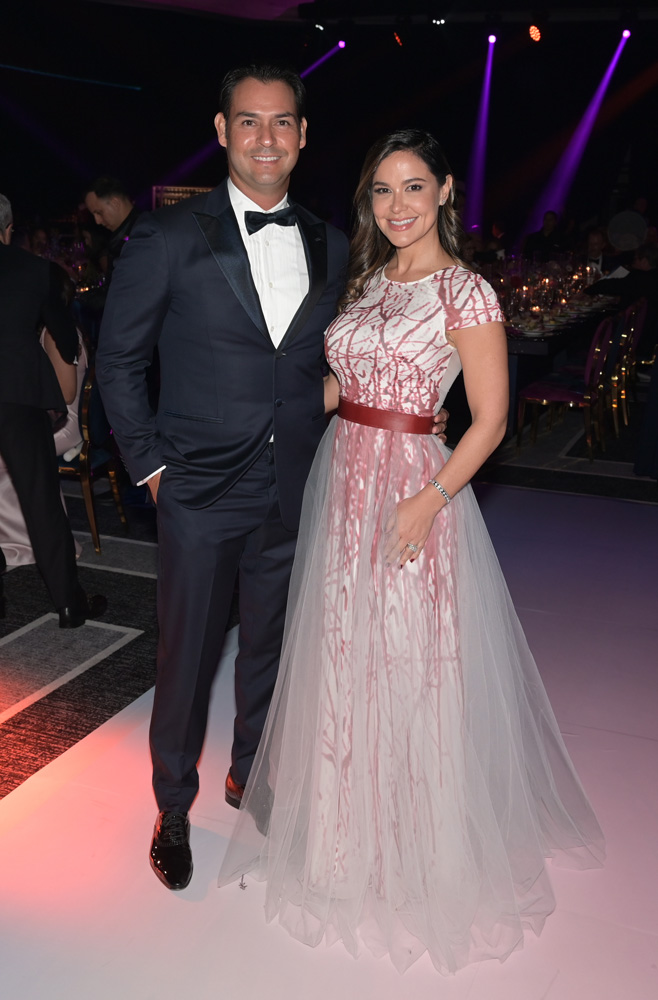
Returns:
<point x="411" y="780"/>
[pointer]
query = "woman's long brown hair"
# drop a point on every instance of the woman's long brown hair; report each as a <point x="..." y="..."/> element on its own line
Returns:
<point x="370" y="250"/>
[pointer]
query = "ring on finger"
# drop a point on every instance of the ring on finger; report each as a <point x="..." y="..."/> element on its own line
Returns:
<point x="414" y="548"/>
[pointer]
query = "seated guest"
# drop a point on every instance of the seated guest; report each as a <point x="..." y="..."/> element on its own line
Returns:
<point x="596" y="254"/>
<point x="641" y="282"/>
<point x="547" y="242"/>
<point x="40" y="242"/>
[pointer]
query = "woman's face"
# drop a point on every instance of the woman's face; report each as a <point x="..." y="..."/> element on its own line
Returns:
<point x="405" y="200"/>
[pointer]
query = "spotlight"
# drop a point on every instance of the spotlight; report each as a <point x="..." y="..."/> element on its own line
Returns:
<point x="438" y="20"/>
<point x="492" y="39"/>
<point x="625" y="33"/>
<point x="341" y="45"/>
<point x="535" y="33"/>
<point x="320" y="27"/>
<point x="397" y="38"/>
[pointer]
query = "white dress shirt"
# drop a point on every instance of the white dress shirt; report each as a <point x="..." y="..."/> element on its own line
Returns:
<point x="278" y="264"/>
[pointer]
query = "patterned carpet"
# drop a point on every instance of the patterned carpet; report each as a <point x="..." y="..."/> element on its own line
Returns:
<point x="57" y="686"/>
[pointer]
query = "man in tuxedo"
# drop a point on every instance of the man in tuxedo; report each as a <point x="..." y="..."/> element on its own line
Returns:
<point x="29" y="300"/>
<point x="595" y="256"/>
<point x="235" y="288"/>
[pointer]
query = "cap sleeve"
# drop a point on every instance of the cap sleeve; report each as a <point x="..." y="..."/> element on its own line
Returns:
<point x="469" y="300"/>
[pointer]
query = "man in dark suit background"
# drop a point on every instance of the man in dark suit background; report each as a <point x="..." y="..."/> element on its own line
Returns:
<point x="29" y="300"/>
<point x="237" y="302"/>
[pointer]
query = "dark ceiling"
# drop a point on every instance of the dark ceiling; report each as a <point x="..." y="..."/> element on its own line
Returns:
<point x="383" y="11"/>
<point x="132" y="90"/>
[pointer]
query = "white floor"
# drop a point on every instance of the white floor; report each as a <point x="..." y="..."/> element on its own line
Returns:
<point x="83" y="918"/>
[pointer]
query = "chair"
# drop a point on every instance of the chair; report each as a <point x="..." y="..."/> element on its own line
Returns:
<point x="623" y="371"/>
<point x="567" y="390"/>
<point x="98" y="452"/>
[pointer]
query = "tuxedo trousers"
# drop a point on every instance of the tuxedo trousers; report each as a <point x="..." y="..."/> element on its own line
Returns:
<point x="28" y="449"/>
<point x="202" y="552"/>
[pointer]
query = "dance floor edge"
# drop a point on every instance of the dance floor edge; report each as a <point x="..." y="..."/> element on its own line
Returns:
<point x="83" y="918"/>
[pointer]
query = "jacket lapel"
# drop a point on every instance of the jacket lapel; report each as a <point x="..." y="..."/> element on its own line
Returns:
<point x="223" y="237"/>
<point x="314" y="238"/>
<point x="220" y="230"/>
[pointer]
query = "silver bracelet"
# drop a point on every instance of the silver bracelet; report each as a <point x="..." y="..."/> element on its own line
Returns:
<point x="444" y="493"/>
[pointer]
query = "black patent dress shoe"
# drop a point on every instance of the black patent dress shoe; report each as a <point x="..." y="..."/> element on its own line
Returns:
<point x="170" y="854"/>
<point x="91" y="607"/>
<point x="233" y="792"/>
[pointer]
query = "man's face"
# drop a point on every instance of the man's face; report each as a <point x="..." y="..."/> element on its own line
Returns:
<point x="109" y="212"/>
<point x="595" y="244"/>
<point x="263" y="137"/>
<point x="550" y="222"/>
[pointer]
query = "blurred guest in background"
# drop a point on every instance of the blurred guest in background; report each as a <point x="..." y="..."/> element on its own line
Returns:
<point x="546" y="242"/>
<point x="40" y="242"/>
<point x="108" y="202"/>
<point x="641" y="282"/>
<point x="596" y="252"/>
<point x="14" y="536"/>
<point x="110" y="205"/>
<point x="29" y="388"/>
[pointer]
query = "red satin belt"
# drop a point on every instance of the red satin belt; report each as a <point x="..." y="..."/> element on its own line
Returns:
<point x="389" y="420"/>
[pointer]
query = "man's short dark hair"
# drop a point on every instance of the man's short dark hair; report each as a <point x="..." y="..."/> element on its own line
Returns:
<point x="108" y="187"/>
<point x="264" y="74"/>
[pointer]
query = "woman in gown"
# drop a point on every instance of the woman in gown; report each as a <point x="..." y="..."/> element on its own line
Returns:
<point x="411" y="780"/>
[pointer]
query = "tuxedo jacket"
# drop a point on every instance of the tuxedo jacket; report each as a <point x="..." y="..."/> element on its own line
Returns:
<point x="29" y="300"/>
<point x="183" y="283"/>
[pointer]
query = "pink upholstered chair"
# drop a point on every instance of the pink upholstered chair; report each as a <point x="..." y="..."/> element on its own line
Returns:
<point x="563" y="390"/>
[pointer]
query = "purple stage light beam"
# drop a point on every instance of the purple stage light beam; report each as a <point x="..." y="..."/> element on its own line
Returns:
<point x="554" y="195"/>
<point x="327" y="55"/>
<point x="475" y="177"/>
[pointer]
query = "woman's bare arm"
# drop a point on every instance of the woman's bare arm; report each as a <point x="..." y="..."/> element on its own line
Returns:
<point x="66" y="373"/>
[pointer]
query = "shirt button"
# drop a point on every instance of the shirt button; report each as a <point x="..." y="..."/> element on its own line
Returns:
<point x="271" y="285"/>
<point x="267" y="243"/>
<point x="278" y="402"/>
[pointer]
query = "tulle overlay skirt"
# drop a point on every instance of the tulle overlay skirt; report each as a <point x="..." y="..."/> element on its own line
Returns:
<point x="412" y="779"/>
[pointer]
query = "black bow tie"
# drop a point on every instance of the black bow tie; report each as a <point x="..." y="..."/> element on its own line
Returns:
<point x="256" y="220"/>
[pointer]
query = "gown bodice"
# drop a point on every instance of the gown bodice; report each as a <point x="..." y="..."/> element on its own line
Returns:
<point x="391" y="350"/>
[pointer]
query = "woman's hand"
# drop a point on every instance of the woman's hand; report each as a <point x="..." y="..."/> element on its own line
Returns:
<point x="415" y="518"/>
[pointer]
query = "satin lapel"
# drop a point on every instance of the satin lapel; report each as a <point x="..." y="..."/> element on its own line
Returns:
<point x="225" y="242"/>
<point x="314" y="238"/>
